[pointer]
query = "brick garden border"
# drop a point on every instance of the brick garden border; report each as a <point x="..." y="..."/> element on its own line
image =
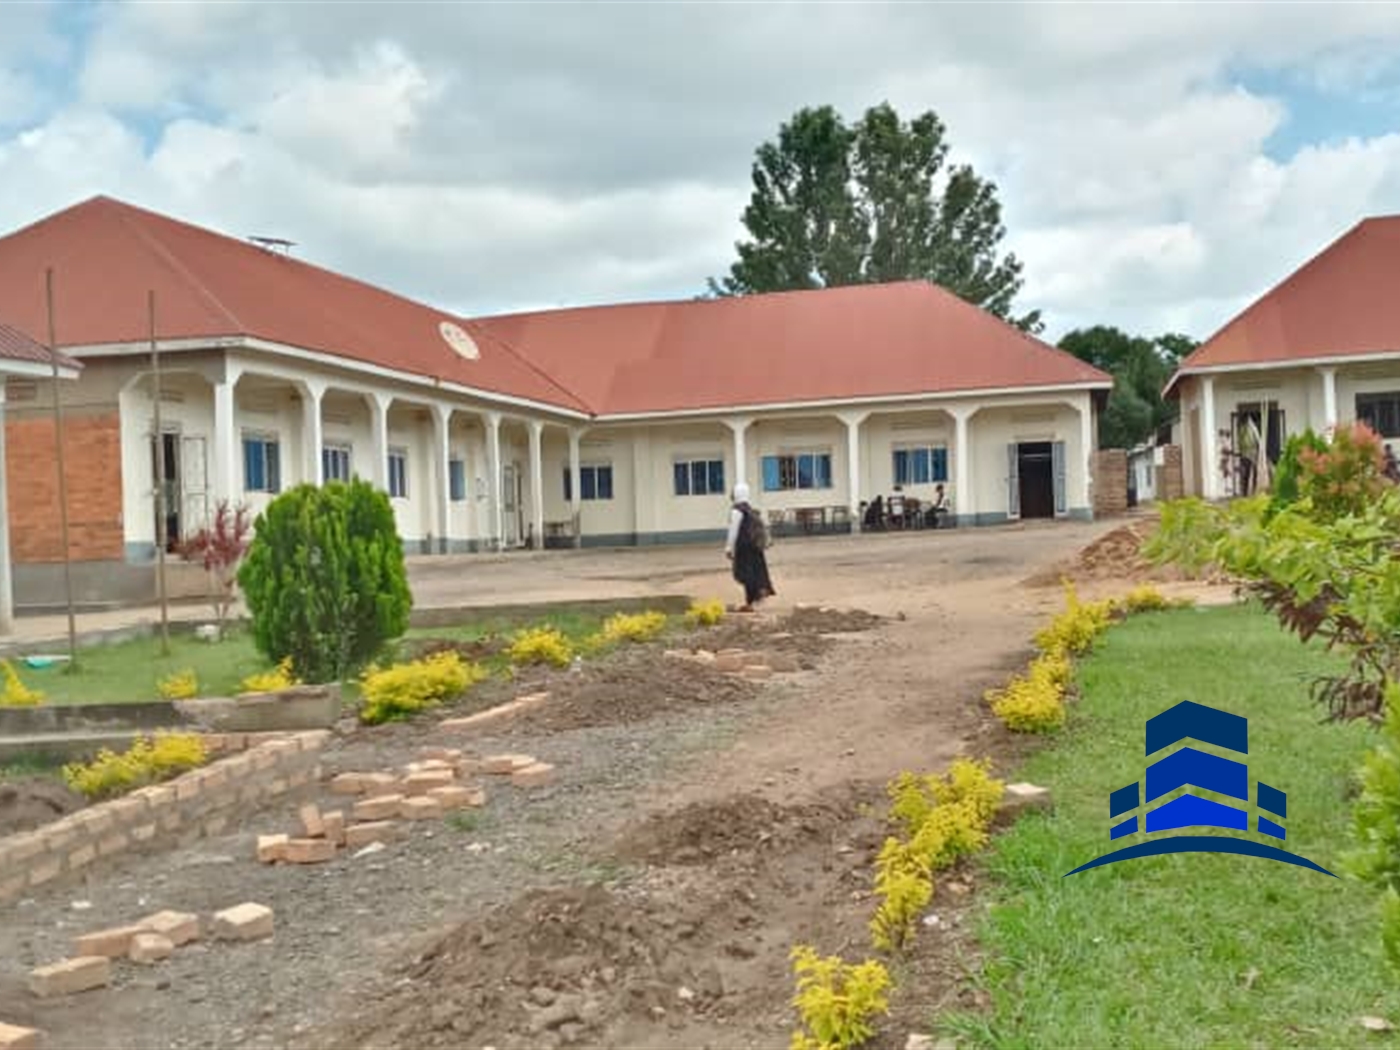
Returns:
<point x="200" y="803"/>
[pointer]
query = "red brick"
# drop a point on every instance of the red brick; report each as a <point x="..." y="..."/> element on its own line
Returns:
<point x="45" y="871"/>
<point x="422" y="783"/>
<point x="348" y="784"/>
<point x="81" y="857"/>
<point x="177" y="927"/>
<point x="334" y="824"/>
<point x="150" y="948"/>
<point x="112" y="943"/>
<point x="420" y="807"/>
<point x="311" y="822"/>
<point x="244" y="922"/>
<point x="271" y="847"/>
<point x="93" y="471"/>
<point x="457" y="796"/>
<point x="308" y="851"/>
<point x="536" y="775"/>
<point x="12" y="1037"/>
<point x="71" y="976"/>
<point x="500" y="765"/>
<point x="377" y="808"/>
<point x="357" y="835"/>
<point x="450" y="755"/>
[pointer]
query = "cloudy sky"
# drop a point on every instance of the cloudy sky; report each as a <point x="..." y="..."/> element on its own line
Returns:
<point x="1159" y="165"/>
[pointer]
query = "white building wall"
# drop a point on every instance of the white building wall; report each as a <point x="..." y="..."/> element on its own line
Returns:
<point x="794" y="436"/>
<point x="882" y="434"/>
<point x="993" y="430"/>
<point x="1379" y="378"/>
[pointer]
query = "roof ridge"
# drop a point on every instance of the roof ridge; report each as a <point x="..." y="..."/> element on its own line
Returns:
<point x="700" y="300"/>
<point x="1278" y="286"/>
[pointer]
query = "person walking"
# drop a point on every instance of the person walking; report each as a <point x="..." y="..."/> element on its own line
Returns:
<point x="744" y="547"/>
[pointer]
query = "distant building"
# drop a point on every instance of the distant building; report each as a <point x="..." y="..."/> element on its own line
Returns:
<point x="610" y="425"/>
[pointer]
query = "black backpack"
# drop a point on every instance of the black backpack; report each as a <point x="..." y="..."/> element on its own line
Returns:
<point x="754" y="529"/>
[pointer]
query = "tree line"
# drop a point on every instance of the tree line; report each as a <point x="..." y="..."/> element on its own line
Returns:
<point x="836" y="204"/>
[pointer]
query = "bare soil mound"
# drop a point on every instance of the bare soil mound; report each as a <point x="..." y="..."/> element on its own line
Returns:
<point x="1116" y="555"/>
<point x="632" y="686"/>
<point x="33" y="802"/>
<point x="700" y="832"/>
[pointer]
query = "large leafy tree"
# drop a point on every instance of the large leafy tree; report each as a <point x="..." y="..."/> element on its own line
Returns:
<point x="1140" y="368"/>
<point x="837" y="205"/>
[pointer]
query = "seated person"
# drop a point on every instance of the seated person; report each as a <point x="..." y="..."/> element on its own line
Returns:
<point x="897" y="506"/>
<point x="874" y="513"/>
<point x="938" y="507"/>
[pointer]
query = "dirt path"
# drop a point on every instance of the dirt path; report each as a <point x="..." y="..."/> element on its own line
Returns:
<point x="700" y="828"/>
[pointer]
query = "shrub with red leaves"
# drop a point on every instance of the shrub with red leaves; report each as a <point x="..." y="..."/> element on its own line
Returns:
<point x="220" y="549"/>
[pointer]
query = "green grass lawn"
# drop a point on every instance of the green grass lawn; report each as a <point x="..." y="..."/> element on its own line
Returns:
<point x="1192" y="949"/>
<point x="131" y="671"/>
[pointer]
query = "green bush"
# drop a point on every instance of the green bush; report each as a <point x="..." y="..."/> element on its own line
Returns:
<point x="325" y="580"/>
<point x="1287" y="473"/>
<point x="1376" y="827"/>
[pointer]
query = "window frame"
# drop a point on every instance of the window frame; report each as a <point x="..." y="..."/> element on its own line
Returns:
<point x="683" y="475"/>
<point x="337" y="448"/>
<point x="589" y="475"/>
<point x="933" y="451"/>
<point x="821" y="480"/>
<point x="1387" y="399"/>
<point x="271" y="467"/>
<point x="401" y="454"/>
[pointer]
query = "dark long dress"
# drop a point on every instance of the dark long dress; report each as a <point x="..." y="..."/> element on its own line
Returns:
<point x="750" y="564"/>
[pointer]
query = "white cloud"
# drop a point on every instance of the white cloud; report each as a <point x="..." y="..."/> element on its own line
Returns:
<point x="494" y="156"/>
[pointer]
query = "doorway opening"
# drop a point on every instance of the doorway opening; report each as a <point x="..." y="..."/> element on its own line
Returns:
<point x="1035" y="472"/>
<point x="167" y="487"/>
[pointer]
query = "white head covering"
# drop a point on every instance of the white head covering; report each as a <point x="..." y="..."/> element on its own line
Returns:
<point x="741" y="493"/>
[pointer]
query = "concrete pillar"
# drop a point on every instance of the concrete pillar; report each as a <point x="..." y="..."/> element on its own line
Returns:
<point x="741" y="455"/>
<point x="7" y="585"/>
<point x="312" y="392"/>
<point x="495" y="482"/>
<point x="1329" y="396"/>
<point x="442" y="445"/>
<point x="962" y="466"/>
<point x="537" y="481"/>
<point x="1210" y="466"/>
<point x="379" y="439"/>
<point x="1086" y="444"/>
<point x="853" y="420"/>
<point x="228" y="473"/>
<point x="575" y="484"/>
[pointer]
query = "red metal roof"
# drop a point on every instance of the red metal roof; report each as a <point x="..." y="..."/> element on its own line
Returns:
<point x="835" y="344"/>
<point x="905" y="338"/>
<point x="106" y="255"/>
<point x="16" y="346"/>
<point x="1341" y="302"/>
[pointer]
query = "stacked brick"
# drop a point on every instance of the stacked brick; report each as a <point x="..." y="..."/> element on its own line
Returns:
<point x="1169" y="483"/>
<point x="1110" y="474"/>
<point x="204" y="802"/>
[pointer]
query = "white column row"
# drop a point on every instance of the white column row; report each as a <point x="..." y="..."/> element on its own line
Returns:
<point x="228" y="468"/>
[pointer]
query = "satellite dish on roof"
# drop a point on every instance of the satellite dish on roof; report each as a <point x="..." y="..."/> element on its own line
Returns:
<point x="461" y="343"/>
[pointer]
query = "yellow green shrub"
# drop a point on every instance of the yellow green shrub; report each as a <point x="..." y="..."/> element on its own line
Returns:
<point x="634" y="627"/>
<point x="1034" y="704"/>
<point x="402" y="690"/>
<point x="182" y="685"/>
<point x="705" y="613"/>
<point x="904" y="895"/>
<point x="16" y="693"/>
<point x="541" y="645"/>
<point x="837" y="1001"/>
<point x="1075" y="630"/>
<point x="148" y="761"/>
<point x="950" y="831"/>
<point x="971" y="782"/>
<point x="280" y="677"/>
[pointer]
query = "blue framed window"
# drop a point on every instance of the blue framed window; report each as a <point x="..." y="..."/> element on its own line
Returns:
<point x="262" y="468"/>
<point x="801" y="470"/>
<point x="335" y="462"/>
<point x="456" y="480"/>
<point x="398" y="473"/>
<point x="921" y="465"/>
<point x="595" y="482"/>
<point x="699" y="477"/>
